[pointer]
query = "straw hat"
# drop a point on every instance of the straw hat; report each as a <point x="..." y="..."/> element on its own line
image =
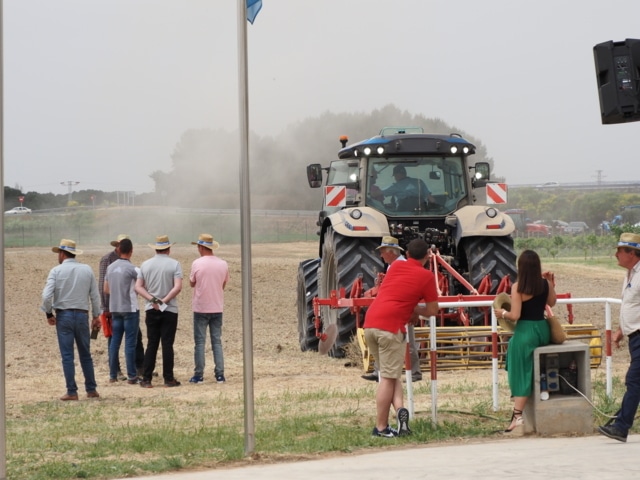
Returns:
<point x="206" y="241"/>
<point x="67" y="246"/>
<point x="116" y="242"/>
<point x="630" y="240"/>
<point x="162" y="243"/>
<point x="503" y="301"/>
<point x="390" y="242"/>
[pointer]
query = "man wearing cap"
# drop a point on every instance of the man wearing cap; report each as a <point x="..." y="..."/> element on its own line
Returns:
<point x="69" y="289"/>
<point x="159" y="282"/>
<point x="208" y="278"/>
<point x="628" y="256"/>
<point x="406" y="284"/>
<point x="105" y="261"/>
<point x="410" y="193"/>
<point x="390" y="251"/>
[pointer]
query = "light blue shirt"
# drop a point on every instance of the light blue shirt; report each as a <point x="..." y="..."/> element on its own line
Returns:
<point x="71" y="285"/>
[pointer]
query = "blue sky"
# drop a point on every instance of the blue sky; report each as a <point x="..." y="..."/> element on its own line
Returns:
<point x="100" y="91"/>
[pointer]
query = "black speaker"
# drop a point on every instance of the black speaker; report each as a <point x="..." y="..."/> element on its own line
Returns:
<point x="618" y="76"/>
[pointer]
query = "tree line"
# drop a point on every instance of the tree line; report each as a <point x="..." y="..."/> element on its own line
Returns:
<point x="204" y="172"/>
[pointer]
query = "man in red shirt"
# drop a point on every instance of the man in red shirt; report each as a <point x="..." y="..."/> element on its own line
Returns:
<point x="397" y="303"/>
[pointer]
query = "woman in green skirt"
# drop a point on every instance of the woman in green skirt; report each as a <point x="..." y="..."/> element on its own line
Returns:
<point x="530" y="295"/>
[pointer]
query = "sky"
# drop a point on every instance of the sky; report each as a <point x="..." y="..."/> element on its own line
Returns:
<point x="97" y="93"/>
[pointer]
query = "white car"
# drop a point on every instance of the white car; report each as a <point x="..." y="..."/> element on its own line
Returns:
<point x="575" y="228"/>
<point x="18" y="211"/>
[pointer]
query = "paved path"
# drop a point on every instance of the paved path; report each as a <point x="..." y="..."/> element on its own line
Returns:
<point x="585" y="458"/>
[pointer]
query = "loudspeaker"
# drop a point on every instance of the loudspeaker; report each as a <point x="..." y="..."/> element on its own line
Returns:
<point x="618" y="77"/>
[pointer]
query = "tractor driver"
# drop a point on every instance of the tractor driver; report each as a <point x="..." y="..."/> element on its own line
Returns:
<point x="409" y="192"/>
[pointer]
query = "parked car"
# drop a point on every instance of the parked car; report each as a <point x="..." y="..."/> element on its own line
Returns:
<point x="524" y="226"/>
<point x="18" y="211"/>
<point x="559" y="226"/>
<point x="575" y="228"/>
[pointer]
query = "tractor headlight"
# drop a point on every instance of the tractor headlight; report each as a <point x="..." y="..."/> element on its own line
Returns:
<point x="454" y="149"/>
<point x="356" y="214"/>
<point x="367" y="151"/>
<point x="491" y="212"/>
<point x="380" y="150"/>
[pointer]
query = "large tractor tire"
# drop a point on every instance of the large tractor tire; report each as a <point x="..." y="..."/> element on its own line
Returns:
<point x="488" y="255"/>
<point x="344" y="259"/>
<point x="307" y="291"/>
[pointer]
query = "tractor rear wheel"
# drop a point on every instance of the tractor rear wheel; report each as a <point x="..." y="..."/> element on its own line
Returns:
<point x="343" y="260"/>
<point x="307" y="291"/>
<point x="488" y="255"/>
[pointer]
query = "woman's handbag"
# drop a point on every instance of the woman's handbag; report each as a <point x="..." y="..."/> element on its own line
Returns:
<point x="558" y="335"/>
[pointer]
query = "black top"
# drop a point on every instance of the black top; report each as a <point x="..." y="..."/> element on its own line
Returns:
<point x="533" y="309"/>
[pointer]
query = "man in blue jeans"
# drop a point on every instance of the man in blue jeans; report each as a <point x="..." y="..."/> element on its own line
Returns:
<point x="628" y="256"/>
<point x="69" y="288"/>
<point x="105" y="261"/>
<point x="119" y="284"/>
<point x="208" y="278"/>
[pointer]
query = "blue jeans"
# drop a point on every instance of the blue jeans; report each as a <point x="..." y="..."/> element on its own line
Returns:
<point x="624" y="420"/>
<point x="200" y="323"/>
<point x="127" y="324"/>
<point x="139" y="352"/>
<point x="72" y="327"/>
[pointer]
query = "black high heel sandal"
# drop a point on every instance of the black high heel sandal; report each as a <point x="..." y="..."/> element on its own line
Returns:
<point x="519" y="420"/>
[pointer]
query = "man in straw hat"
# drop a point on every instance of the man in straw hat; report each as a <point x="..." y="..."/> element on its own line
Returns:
<point x="405" y="285"/>
<point x="69" y="289"/>
<point x="159" y="283"/>
<point x="105" y="261"/>
<point x="390" y="251"/>
<point x="628" y="256"/>
<point x="208" y="278"/>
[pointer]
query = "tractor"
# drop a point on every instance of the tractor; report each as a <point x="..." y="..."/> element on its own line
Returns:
<point x="407" y="184"/>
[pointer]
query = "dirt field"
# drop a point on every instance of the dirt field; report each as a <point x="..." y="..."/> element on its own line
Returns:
<point x="34" y="373"/>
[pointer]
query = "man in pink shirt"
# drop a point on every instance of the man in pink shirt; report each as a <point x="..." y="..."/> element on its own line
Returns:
<point x="208" y="278"/>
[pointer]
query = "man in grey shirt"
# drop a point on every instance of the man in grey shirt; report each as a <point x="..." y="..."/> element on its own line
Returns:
<point x="69" y="288"/>
<point x="159" y="282"/>
<point x="119" y="283"/>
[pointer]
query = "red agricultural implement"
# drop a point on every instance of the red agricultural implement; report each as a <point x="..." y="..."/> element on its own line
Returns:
<point x="460" y="344"/>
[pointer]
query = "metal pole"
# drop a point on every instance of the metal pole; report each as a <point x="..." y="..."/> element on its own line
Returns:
<point x="494" y="360"/>
<point x="3" y="417"/>
<point x="433" y="358"/>
<point x="608" y="353"/>
<point x="411" y="340"/>
<point x="245" y="232"/>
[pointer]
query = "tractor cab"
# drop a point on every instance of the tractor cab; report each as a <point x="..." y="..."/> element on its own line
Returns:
<point x="403" y="172"/>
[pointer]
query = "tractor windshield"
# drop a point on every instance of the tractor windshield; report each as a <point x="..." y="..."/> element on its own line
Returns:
<point x="416" y="186"/>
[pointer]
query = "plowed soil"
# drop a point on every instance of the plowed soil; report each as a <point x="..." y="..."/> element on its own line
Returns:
<point x="34" y="373"/>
